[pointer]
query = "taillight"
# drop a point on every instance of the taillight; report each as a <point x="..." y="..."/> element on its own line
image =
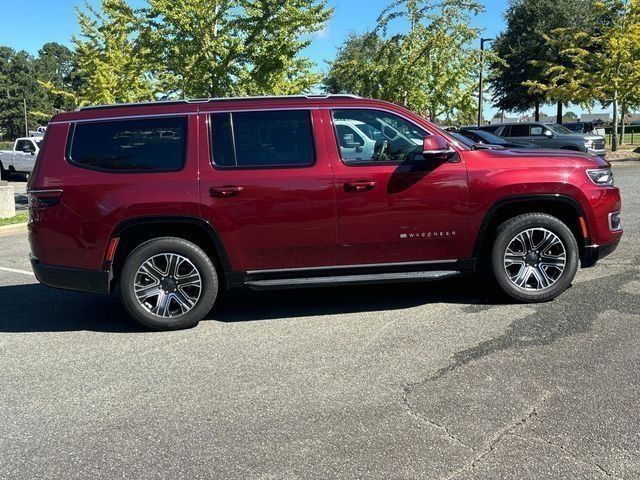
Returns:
<point x="40" y="199"/>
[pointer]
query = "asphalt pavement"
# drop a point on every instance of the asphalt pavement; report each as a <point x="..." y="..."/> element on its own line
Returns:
<point x="437" y="380"/>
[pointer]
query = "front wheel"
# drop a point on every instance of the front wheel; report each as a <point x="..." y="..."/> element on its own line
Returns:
<point x="534" y="257"/>
<point x="168" y="283"/>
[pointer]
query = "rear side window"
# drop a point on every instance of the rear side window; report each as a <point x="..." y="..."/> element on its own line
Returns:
<point x="262" y="139"/>
<point x="141" y="145"/>
<point x="518" y="131"/>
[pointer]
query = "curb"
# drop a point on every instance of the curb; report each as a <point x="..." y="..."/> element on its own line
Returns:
<point x="6" y="230"/>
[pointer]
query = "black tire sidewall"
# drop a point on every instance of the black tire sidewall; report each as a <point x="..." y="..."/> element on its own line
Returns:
<point x="210" y="283"/>
<point x="508" y="230"/>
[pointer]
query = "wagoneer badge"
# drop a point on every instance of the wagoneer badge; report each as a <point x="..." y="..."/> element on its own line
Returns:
<point x="443" y="234"/>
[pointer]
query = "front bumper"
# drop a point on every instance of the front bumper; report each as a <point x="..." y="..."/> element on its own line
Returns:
<point x="598" y="152"/>
<point x="67" y="278"/>
<point x="593" y="253"/>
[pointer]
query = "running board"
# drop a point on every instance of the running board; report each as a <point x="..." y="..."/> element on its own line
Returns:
<point x="338" y="280"/>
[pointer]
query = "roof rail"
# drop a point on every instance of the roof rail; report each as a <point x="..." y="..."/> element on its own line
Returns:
<point x="219" y="99"/>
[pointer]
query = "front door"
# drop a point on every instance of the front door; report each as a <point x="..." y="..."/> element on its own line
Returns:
<point x="394" y="206"/>
<point x="266" y="186"/>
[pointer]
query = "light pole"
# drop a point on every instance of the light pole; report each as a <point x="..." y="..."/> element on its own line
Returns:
<point x="480" y="106"/>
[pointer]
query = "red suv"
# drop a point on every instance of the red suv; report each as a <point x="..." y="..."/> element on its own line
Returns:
<point x="174" y="202"/>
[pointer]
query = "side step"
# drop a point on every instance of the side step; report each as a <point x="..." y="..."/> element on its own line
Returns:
<point x="338" y="280"/>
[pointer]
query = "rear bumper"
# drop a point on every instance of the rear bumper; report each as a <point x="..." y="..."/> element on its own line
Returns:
<point x="67" y="278"/>
<point x="593" y="253"/>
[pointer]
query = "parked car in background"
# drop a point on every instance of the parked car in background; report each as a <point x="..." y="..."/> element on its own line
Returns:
<point x="550" y="136"/>
<point x="22" y="158"/>
<point x="483" y="137"/>
<point x="171" y="203"/>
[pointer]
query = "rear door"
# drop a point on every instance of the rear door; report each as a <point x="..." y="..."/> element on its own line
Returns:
<point x="266" y="186"/>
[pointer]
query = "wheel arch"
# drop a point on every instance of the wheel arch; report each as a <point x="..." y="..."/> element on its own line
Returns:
<point x="565" y="208"/>
<point x="131" y="233"/>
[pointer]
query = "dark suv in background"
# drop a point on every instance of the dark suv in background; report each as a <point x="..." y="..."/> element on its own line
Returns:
<point x="172" y="203"/>
<point x="550" y="136"/>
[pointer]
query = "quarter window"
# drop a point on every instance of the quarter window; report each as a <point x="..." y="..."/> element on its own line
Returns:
<point x="376" y="136"/>
<point x="146" y="144"/>
<point x="281" y="138"/>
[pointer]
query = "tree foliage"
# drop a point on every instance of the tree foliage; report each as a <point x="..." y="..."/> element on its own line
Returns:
<point x="525" y="53"/>
<point x="429" y="65"/>
<point x="218" y="48"/>
<point x="109" y="60"/>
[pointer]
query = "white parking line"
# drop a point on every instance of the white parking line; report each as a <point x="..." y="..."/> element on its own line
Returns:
<point x="14" y="270"/>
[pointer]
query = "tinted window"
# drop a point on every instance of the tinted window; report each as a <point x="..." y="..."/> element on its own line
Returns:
<point x="517" y="131"/>
<point x="24" y="145"/>
<point x="384" y="136"/>
<point x="262" y="139"/>
<point x="148" y="144"/>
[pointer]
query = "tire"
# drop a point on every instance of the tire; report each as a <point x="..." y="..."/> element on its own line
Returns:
<point x="168" y="283"/>
<point x="3" y="172"/>
<point x="523" y="272"/>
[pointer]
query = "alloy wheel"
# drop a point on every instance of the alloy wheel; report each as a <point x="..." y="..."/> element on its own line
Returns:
<point x="168" y="285"/>
<point x="535" y="259"/>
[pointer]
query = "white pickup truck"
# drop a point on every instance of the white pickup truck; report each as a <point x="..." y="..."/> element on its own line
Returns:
<point x="22" y="158"/>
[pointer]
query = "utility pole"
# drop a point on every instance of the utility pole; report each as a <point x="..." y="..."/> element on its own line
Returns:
<point x="480" y="92"/>
<point x="26" y="122"/>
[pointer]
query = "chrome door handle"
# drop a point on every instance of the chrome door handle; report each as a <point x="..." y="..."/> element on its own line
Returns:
<point x="226" y="191"/>
<point x="359" y="186"/>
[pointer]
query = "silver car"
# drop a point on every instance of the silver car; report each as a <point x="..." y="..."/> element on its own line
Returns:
<point x="550" y="135"/>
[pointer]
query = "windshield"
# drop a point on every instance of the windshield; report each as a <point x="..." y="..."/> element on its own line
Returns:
<point x="555" y="127"/>
<point x="462" y="139"/>
<point x="39" y="143"/>
<point x="489" y="137"/>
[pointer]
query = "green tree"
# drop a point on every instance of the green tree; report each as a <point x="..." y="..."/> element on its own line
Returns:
<point x="596" y="61"/>
<point x="109" y="60"/>
<point x="55" y="71"/>
<point x="218" y="48"/>
<point x="430" y="67"/>
<point x="18" y="84"/>
<point x="523" y="51"/>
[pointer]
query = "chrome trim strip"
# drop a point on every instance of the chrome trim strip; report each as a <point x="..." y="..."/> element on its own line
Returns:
<point x="343" y="267"/>
<point x="124" y="117"/>
<point x="50" y="190"/>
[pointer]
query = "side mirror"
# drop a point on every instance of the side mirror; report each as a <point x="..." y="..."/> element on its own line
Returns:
<point x="435" y="147"/>
<point x="548" y="133"/>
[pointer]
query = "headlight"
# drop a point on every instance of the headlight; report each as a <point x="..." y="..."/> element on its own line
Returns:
<point x="601" y="176"/>
<point x="588" y="143"/>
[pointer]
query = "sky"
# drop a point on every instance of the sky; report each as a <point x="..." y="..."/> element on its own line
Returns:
<point x="55" y="21"/>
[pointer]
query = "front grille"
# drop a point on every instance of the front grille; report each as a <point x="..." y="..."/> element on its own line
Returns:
<point x="598" y="145"/>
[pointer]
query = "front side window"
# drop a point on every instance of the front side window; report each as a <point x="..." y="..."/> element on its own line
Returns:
<point x="24" y="146"/>
<point x="537" y="131"/>
<point x="384" y="137"/>
<point x="279" y="138"/>
<point x="139" y="145"/>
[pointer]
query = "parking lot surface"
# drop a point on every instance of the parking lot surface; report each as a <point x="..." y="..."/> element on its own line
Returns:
<point x="435" y="380"/>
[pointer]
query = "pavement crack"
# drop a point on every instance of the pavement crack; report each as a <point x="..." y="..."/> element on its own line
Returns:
<point x="498" y="436"/>
<point x="425" y="421"/>
<point x="568" y="452"/>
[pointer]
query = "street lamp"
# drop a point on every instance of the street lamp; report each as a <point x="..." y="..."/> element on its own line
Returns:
<point x="480" y="106"/>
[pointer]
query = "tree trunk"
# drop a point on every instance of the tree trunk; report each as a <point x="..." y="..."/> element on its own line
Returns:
<point x="537" y="111"/>
<point x="559" y="113"/>
<point x="623" y="112"/>
<point x="614" y="136"/>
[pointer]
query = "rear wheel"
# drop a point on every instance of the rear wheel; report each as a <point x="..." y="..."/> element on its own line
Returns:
<point x="3" y="172"/>
<point x="168" y="283"/>
<point x="534" y="257"/>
